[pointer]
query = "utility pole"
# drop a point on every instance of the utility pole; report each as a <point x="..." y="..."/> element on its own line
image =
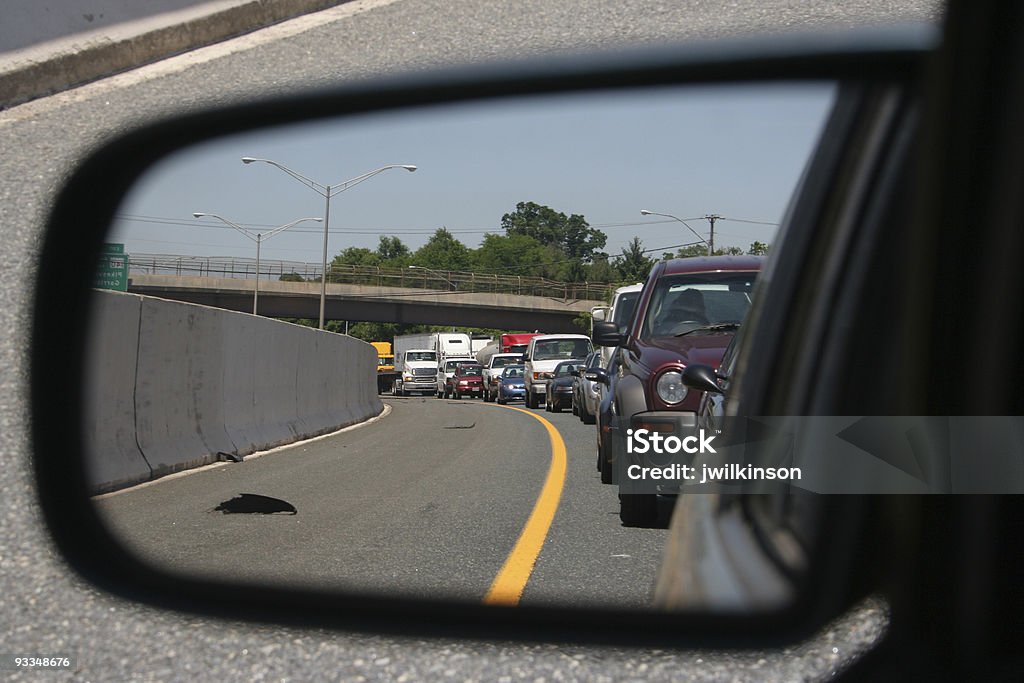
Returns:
<point x="711" y="218"/>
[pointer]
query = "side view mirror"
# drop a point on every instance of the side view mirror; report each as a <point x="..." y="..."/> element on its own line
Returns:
<point x="701" y="377"/>
<point x="599" y="313"/>
<point x="85" y="449"/>
<point x="608" y="334"/>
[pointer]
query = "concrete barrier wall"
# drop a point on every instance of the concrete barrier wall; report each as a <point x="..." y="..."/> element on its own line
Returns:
<point x="170" y="385"/>
<point x="48" y="46"/>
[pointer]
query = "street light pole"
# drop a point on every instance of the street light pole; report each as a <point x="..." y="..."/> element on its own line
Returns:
<point x="711" y="248"/>
<point x="258" y="238"/>
<point x="327" y="191"/>
<point x="323" y="267"/>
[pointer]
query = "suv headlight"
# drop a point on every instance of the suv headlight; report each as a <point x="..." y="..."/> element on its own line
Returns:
<point x="670" y="387"/>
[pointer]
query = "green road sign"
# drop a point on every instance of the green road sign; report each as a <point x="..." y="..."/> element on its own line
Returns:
<point x="112" y="271"/>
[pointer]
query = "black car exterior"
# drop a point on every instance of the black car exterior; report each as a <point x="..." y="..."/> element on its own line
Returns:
<point x="558" y="394"/>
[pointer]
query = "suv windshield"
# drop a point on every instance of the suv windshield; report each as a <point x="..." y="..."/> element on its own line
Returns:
<point x="503" y="361"/>
<point x="554" y="349"/>
<point x="682" y="303"/>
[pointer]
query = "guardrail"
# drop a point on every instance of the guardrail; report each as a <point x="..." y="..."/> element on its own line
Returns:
<point x="415" y="278"/>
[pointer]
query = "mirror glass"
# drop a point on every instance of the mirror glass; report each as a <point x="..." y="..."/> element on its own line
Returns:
<point x="258" y="448"/>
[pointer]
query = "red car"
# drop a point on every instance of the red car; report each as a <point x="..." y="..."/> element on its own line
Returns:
<point x="468" y="380"/>
<point x="688" y="312"/>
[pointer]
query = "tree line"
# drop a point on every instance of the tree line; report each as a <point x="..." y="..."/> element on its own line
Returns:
<point x="538" y="241"/>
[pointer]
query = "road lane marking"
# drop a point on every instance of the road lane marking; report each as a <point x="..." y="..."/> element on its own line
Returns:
<point x="508" y="586"/>
<point x="167" y="66"/>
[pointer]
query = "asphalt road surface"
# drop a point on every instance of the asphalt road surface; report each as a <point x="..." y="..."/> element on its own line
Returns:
<point x="46" y="609"/>
<point x="428" y="501"/>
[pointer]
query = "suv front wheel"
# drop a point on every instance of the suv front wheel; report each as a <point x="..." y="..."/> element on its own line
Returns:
<point x="638" y="509"/>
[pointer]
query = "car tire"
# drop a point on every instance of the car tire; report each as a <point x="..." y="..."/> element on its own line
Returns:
<point x="529" y="399"/>
<point x="555" y="406"/>
<point x="638" y="509"/>
<point x="605" y="465"/>
<point x="587" y="417"/>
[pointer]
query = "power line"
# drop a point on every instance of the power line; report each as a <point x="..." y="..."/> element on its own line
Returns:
<point x="744" y="220"/>
<point x="159" y="220"/>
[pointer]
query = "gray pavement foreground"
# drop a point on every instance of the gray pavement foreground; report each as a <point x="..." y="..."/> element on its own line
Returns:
<point x="51" y="66"/>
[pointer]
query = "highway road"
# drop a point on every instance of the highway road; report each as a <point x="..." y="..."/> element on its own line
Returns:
<point x="44" y="608"/>
<point x="427" y="501"/>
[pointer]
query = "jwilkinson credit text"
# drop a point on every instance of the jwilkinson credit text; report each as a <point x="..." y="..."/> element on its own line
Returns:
<point x="731" y="472"/>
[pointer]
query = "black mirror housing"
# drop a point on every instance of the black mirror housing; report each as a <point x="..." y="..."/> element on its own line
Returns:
<point x="93" y="195"/>
<point x="702" y="378"/>
<point x="608" y="334"/>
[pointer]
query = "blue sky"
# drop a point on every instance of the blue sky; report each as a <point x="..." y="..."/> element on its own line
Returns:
<point x="736" y="151"/>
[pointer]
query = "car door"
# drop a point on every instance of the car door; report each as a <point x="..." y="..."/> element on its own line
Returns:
<point x="892" y="294"/>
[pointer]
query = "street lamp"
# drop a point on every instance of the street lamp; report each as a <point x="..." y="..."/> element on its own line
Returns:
<point x="258" y="239"/>
<point x="711" y="244"/>
<point x="327" y="191"/>
<point x="451" y="284"/>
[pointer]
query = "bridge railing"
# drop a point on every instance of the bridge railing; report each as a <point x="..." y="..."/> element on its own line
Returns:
<point x="416" y="278"/>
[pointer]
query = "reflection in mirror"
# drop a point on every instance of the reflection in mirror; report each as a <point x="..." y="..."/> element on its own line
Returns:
<point x="258" y="448"/>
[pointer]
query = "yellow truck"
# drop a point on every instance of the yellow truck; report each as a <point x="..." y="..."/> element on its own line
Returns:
<point x="385" y="366"/>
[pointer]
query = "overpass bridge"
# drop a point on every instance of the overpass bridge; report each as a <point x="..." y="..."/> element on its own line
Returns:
<point x="361" y="293"/>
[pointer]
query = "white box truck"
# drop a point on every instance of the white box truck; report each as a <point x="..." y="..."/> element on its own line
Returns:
<point x="416" y="362"/>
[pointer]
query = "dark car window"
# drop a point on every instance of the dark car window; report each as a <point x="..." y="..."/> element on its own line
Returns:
<point x="625" y="305"/>
<point x="697" y="299"/>
<point x="464" y="370"/>
<point x="512" y="371"/>
<point x="565" y="369"/>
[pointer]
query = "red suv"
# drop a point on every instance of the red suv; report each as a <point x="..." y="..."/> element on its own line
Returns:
<point x="688" y="312"/>
<point x="467" y="380"/>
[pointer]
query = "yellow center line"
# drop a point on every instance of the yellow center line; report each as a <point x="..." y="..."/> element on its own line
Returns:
<point x="508" y="586"/>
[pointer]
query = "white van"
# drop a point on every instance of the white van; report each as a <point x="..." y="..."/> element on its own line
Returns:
<point x="624" y="301"/>
<point x="543" y="354"/>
